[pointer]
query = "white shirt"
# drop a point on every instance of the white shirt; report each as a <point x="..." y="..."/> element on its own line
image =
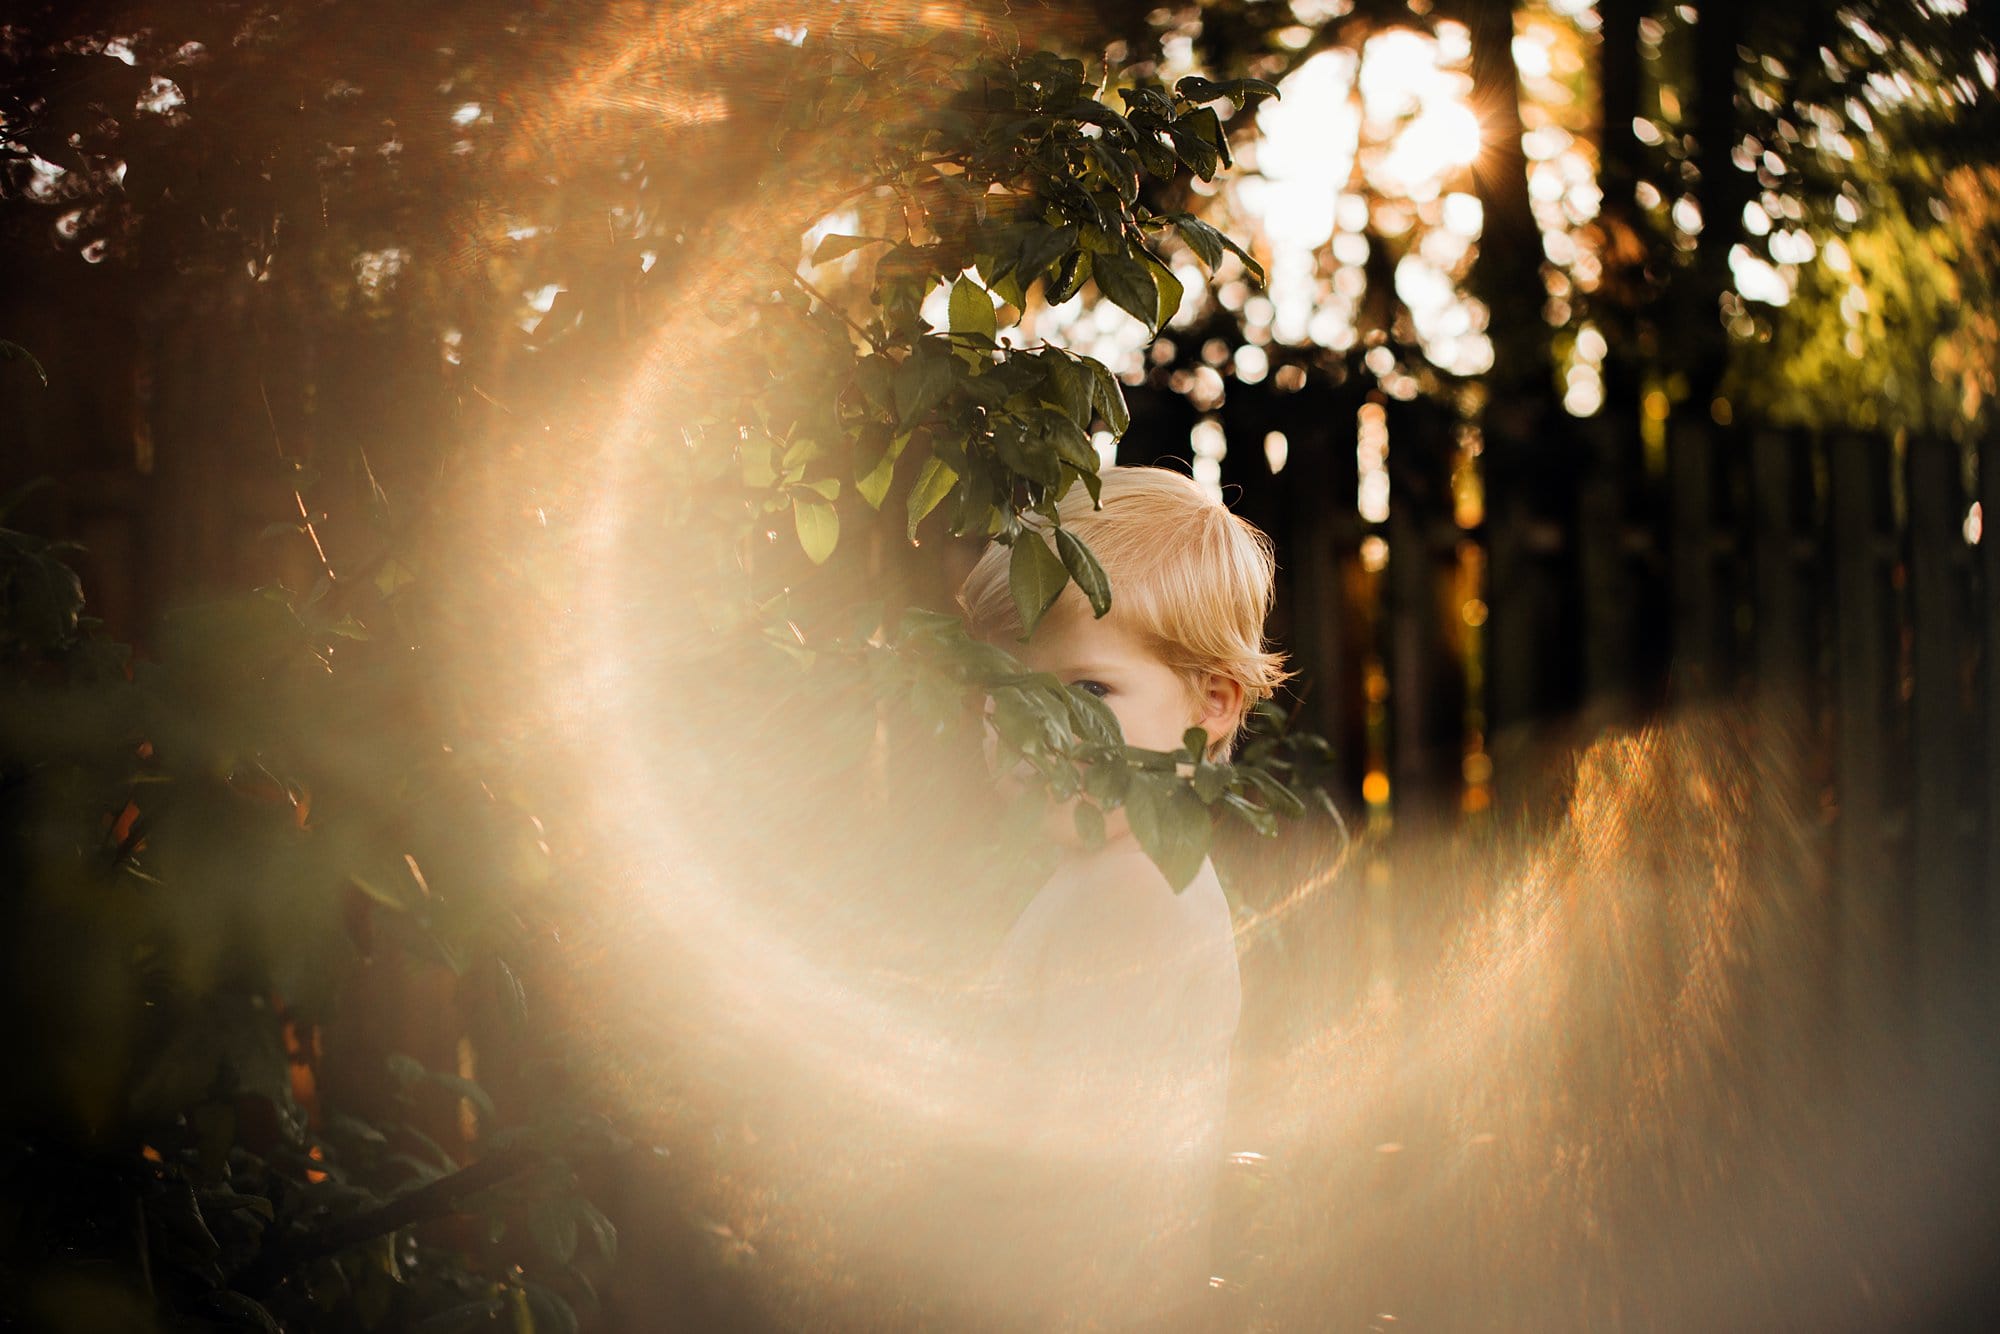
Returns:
<point x="1116" y="1005"/>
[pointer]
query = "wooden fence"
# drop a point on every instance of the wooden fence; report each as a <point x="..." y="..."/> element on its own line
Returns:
<point x="1633" y="567"/>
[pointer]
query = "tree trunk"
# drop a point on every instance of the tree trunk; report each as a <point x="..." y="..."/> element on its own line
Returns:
<point x="1528" y="448"/>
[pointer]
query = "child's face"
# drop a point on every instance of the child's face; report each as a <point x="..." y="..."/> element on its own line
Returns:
<point x="1154" y="704"/>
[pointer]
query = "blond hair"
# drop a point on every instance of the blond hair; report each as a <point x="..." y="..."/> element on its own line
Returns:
<point x="1189" y="578"/>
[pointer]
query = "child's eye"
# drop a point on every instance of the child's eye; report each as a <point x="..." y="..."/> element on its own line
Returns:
<point x="1097" y="688"/>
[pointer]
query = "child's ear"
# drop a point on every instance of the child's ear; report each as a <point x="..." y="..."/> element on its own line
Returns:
<point x="1222" y="700"/>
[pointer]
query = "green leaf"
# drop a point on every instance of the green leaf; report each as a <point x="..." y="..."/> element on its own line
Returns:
<point x="873" y="485"/>
<point x="1028" y="454"/>
<point x="1109" y="783"/>
<point x="1035" y="577"/>
<point x="1008" y="288"/>
<point x="1197" y="89"/>
<point x="1109" y="396"/>
<point x="1200" y="157"/>
<point x="1070" y="276"/>
<point x="1065" y="385"/>
<point x="1251" y="814"/>
<point x="1154" y="155"/>
<point x="1089" y="819"/>
<point x="553" y="1227"/>
<point x="1209" y="243"/>
<point x="549" y="1312"/>
<point x="1170" y="294"/>
<point x="1280" y="798"/>
<point x="922" y="381"/>
<point x="1204" y="240"/>
<point x="972" y="309"/>
<point x="798" y="454"/>
<point x="758" y="473"/>
<point x="1171" y="824"/>
<point x="833" y="247"/>
<point x="1207" y="127"/>
<point x="404" y="1068"/>
<point x="393" y="577"/>
<point x="1083" y="567"/>
<point x="818" y="524"/>
<point x="1092" y="719"/>
<point x="1118" y="169"/>
<point x="1042" y="248"/>
<point x="1092" y="482"/>
<point x="1210" y="780"/>
<point x="934" y="483"/>
<point x="1130" y="285"/>
<point x="1072" y="445"/>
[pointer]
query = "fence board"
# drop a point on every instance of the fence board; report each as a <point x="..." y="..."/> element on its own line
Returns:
<point x="1945" y="900"/>
<point x="1870" y="940"/>
<point x="1786" y="856"/>
<point x="1701" y="659"/>
<point x="1610" y="594"/>
<point x="1989" y="551"/>
<point x="1426" y="690"/>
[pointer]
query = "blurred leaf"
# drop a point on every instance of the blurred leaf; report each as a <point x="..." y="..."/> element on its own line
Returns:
<point x="818" y="525"/>
<point x="240" y="1312"/>
<point x="1089" y="821"/>
<point x="462" y="1317"/>
<point x="468" y="1090"/>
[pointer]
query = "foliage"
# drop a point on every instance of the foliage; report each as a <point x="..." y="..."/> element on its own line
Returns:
<point x="226" y="861"/>
<point x="1865" y="132"/>
<point x="206" y="895"/>
<point x="1027" y="182"/>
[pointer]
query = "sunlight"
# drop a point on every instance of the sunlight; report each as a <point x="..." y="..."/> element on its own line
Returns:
<point x="1398" y="117"/>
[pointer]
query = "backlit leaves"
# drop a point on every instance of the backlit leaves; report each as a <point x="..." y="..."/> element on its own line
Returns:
<point x="934" y="483"/>
<point x="1130" y="285"/>
<point x="1025" y="181"/>
<point x="818" y="525"/>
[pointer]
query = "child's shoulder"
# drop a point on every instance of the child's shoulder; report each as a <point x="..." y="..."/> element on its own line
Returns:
<point x="1121" y="882"/>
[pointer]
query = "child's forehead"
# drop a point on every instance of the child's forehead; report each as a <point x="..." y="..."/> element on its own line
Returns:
<point x="1073" y="633"/>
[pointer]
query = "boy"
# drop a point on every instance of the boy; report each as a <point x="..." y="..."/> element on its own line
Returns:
<point x="1119" y="997"/>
